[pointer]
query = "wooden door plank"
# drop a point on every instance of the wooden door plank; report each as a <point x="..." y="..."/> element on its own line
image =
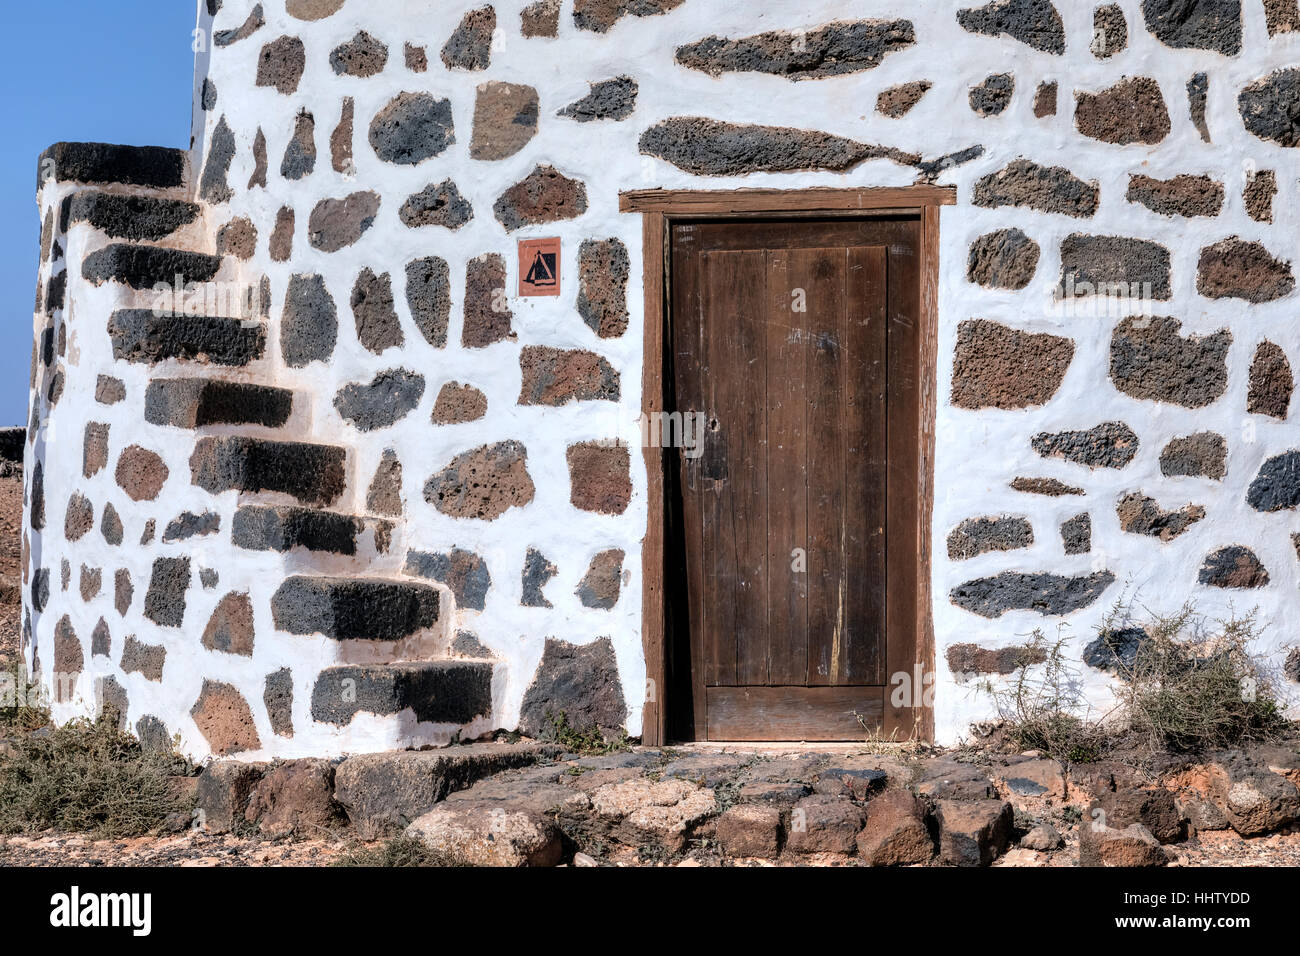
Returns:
<point x="654" y="713"/>
<point x="787" y="472"/>
<point x="793" y="713"/>
<point x="863" y="402"/>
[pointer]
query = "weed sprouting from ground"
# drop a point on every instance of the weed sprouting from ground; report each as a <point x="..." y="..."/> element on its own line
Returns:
<point x="398" y="852"/>
<point x="88" y="777"/>
<point x="590" y="742"/>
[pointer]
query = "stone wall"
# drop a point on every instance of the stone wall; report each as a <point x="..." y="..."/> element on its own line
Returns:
<point x="349" y="491"/>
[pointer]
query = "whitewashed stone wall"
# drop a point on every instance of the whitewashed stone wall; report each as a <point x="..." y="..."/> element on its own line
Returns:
<point x="320" y="123"/>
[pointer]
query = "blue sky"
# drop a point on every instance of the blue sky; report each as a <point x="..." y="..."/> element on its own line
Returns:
<point x="118" y="72"/>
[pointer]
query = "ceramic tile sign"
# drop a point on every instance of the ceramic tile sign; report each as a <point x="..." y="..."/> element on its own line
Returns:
<point x="539" y="267"/>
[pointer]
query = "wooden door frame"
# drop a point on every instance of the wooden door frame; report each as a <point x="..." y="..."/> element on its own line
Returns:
<point x="659" y="209"/>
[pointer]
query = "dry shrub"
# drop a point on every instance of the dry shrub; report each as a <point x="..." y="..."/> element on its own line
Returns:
<point x="400" y="851"/>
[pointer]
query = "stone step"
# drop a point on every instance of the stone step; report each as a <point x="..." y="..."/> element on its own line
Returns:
<point x="196" y="402"/>
<point x="313" y="474"/>
<point x="128" y="217"/>
<point x="156" y="167"/>
<point x="440" y="692"/>
<point x="144" y="267"/>
<point x="142" y="336"/>
<point x="347" y="609"/>
<point x="283" y="528"/>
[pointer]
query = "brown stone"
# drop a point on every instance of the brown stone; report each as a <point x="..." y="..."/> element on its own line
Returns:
<point x="1235" y="566"/>
<point x="335" y="224"/>
<point x="94" y="449"/>
<point x="101" y="640"/>
<point x="1271" y="382"/>
<point x="1282" y="16"/>
<point x="459" y="403"/>
<point x="281" y="244"/>
<point x="974" y="659"/>
<point x="1153" y="807"/>
<point x="361" y="56"/>
<point x="123" y="591"/>
<point x="1051" y="487"/>
<point x="417" y="58"/>
<point x="373" y="310"/>
<point x="79" y="517"/>
<point x="90" y="582"/>
<point x="385" y="494"/>
<point x="898" y="100"/>
<point x="1051" y="189"/>
<point x="599" y="16"/>
<point x="1183" y="195"/>
<point x="1258" y="195"/>
<point x="998" y="367"/>
<point x="144" y="659"/>
<point x="505" y="119"/>
<point x="1045" y="99"/>
<point x="313" y="9"/>
<point x="109" y="390"/>
<point x="824" y="824"/>
<point x="295" y="798"/>
<point x="973" y="832"/>
<point x="599" y="477"/>
<point x="540" y="19"/>
<point x="281" y="63"/>
<point x="1253" y="798"/>
<point x="556" y="377"/>
<point x="224" y="719"/>
<point x="230" y="629"/>
<point x="1235" y="268"/>
<point x="140" y="473"/>
<point x="341" y="139"/>
<point x="602" y="290"/>
<point x="600" y="586"/>
<point x="470" y="46"/>
<point x="487" y="314"/>
<point x="482" y="483"/>
<point x="237" y="238"/>
<point x="1004" y="259"/>
<point x="545" y="195"/>
<point x="1133" y="846"/>
<point x="1140" y="514"/>
<point x="260" y="164"/>
<point x="1131" y="111"/>
<point x="69" y="660"/>
<point x="895" y="833"/>
<point x="1202" y="455"/>
<point x="749" y="830"/>
<point x="1109" y="31"/>
<point x="1150" y="360"/>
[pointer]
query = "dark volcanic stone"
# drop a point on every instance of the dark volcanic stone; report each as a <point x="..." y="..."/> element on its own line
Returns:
<point x="1142" y="514"/>
<point x="1045" y="188"/>
<point x="256" y="20"/>
<point x="1109" y="31"/>
<point x="1271" y="382"/>
<point x="1131" y="111"/>
<point x="164" y="602"/>
<point x="314" y="474"/>
<point x="1203" y="455"/>
<point x="131" y="217"/>
<point x="280" y="64"/>
<point x="1270" y="107"/>
<point x="79" y="517"/>
<point x="1196" y="24"/>
<point x="599" y="16"/>
<point x="1150" y="360"/>
<point x="545" y="195"/>
<point x="147" y="660"/>
<point x="602" y="286"/>
<point x="1282" y="16"/>
<point x="438" y="204"/>
<point x="278" y="698"/>
<point x="1108" y="445"/>
<point x="1235" y="268"/>
<point x="341" y="158"/>
<point x="104" y="163"/>
<point x="1076" y="534"/>
<point x="190" y="525"/>
<point x="1116" y="650"/>
<point x="300" y="153"/>
<point x="385" y="494"/>
<point x="832" y="50"/>
<point x="412" y="128"/>
<point x="992" y="96"/>
<point x="556" y="377"/>
<point x="1198" y="95"/>
<point x="482" y="483"/>
<point x="600" y="586"/>
<point x="579" y="682"/>
<point x="1277" y="485"/>
<point x="979" y="535"/>
<point x="1233" y="567"/>
<point x="1258" y="195"/>
<point x="1034" y="22"/>
<point x="1004" y="259"/>
<point x="1048" y="594"/>
<point x="1183" y="195"/>
<point x="363" y="55"/>
<point x="540" y="19"/>
<point x="197" y="402"/>
<point x="213" y="187"/>
<point x="1115" y="266"/>
<point x="143" y="267"/>
<point x="283" y="528"/>
<point x="138" y="335"/>
<point x="309" y="325"/>
<point x="258" y="176"/>
<point x="376" y="317"/>
<point x="470" y="46"/>
<point x="428" y="295"/>
<point x="354" y="608"/>
<point x="487" y="318"/>
<point x="464" y="572"/>
<point x="613" y="99"/>
<point x="450" y="692"/>
<point x="281" y="242"/>
<point x="709" y="147"/>
<point x="337" y="223"/>
<point x="537" y="571"/>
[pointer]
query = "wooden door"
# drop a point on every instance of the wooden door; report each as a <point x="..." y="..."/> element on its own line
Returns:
<point x="795" y="339"/>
